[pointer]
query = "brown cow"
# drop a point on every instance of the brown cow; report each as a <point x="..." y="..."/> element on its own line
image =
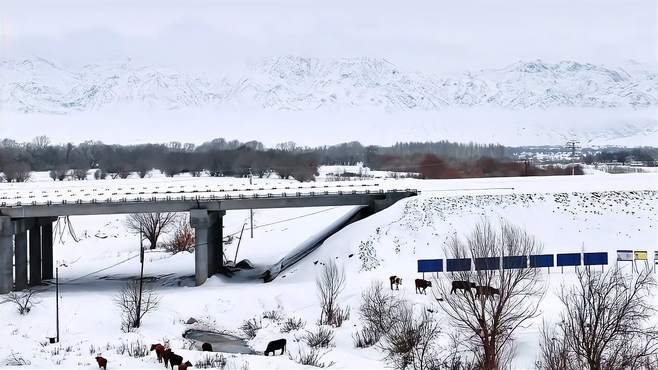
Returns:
<point x="166" y="354"/>
<point x="422" y="285"/>
<point x="175" y="360"/>
<point x="159" y="350"/>
<point x="185" y="365"/>
<point x="466" y="286"/>
<point x="485" y="291"/>
<point x="102" y="362"/>
<point x="397" y="281"/>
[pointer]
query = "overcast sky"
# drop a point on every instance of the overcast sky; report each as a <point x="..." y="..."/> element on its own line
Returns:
<point x="427" y="35"/>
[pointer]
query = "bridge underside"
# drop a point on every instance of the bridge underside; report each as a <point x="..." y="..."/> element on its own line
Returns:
<point x="26" y="233"/>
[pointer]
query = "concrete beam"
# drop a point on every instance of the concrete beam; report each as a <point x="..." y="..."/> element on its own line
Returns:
<point x="20" y="253"/>
<point x="47" y="247"/>
<point x="35" y="254"/>
<point x="6" y="254"/>
<point x="217" y="204"/>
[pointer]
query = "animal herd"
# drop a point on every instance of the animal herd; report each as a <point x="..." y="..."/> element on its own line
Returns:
<point x="466" y="286"/>
<point x="165" y="354"/>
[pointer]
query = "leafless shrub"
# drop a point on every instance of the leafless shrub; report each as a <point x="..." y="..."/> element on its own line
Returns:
<point x="183" y="239"/>
<point x="215" y="361"/>
<point x="366" y="337"/>
<point x="341" y="315"/>
<point x="23" y="300"/>
<point x="410" y="342"/>
<point x="151" y="224"/>
<point x="311" y="357"/>
<point x="553" y="351"/>
<point x="16" y="359"/>
<point x="251" y="327"/>
<point x="291" y="324"/>
<point x="378" y="309"/>
<point x="606" y="321"/>
<point x="135" y="349"/>
<point x="488" y="322"/>
<point x="323" y="336"/>
<point x="330" y="284"/>
<point x="274" y="315"/>
<point x="127" y="300"/>
<point x="58" y="174"/>
<point x="80" y="174"/>
<point x="15" y="171"/>
<point x="456" y="355"/>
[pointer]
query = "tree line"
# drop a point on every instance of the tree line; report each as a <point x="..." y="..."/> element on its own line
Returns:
<point x="220" y="157"/>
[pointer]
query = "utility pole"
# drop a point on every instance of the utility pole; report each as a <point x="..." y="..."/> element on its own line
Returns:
<point x="57" y="303"/>
<point x="251" y="211"/>
<point x="573" y="145"/>
<point x="141" y="277"/>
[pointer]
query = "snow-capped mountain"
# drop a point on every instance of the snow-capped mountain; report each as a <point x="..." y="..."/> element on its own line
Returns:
<point x="294" y="83"/>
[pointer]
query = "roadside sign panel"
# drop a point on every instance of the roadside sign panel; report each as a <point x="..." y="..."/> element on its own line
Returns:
<point x="458" y="264"/>
<point x="599" y="258"/>
<point x="542" y="260"/>
<point x="515" y="262"/>
<point x="487" y="263"/>
<point x="641" y="255"/>
<point x="568" y="259"/>
<point x="624" y="255"/>
<point x="430" y="265"/>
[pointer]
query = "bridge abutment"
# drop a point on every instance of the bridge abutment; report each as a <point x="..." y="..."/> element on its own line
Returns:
<point x="208" y="249"/>
<point x="6" y="254"/>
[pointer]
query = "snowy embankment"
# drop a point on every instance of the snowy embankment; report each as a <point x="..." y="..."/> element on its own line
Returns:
<point x="590" y="213"/>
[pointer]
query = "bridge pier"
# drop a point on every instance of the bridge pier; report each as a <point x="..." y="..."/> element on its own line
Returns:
<point x="46" y="224"/>
<point x="34" y="233"/>
<point x="6" y="253"/>
<point x="20" y="260"/>
<point x="208" y="249"/>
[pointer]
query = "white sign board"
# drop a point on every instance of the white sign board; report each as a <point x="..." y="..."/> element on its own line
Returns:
<point x="625" y="255"/>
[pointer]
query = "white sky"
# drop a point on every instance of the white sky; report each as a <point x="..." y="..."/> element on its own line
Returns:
<point x="428" y="35"/>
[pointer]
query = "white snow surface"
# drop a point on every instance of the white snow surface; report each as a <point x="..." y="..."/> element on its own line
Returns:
<point x="569" y="213"/>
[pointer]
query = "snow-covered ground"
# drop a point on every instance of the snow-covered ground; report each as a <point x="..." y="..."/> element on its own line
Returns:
<point x="567" y="213"/>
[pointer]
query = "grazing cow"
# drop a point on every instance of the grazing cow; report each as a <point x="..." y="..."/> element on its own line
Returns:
<point x="395" y="281"/>
<point x="422" y="285"/>
<point x="462" y="285"/>
<point x="102" y="362"/>
<point x="485" y="291"/>
<point x="207" y="347"/>
<point x="275" y="345"/>
<point x="165" y="356"/>
<point x="159" y="350"/>
<point x="185" y="365"/>
<point x="175" y="360"/>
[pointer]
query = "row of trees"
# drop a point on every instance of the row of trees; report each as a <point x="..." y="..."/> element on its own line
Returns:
<point x="233" y="158"/>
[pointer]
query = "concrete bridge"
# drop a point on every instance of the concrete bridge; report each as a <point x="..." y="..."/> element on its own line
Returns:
<point x="27" y="213"/>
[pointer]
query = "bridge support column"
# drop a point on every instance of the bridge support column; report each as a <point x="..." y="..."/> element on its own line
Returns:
<point x="6" y="253"/>
<point x="35" y="253"/>
<point x="208" y="251"/>
<point x="46" y="247"/>
<point x="20" y="260"/>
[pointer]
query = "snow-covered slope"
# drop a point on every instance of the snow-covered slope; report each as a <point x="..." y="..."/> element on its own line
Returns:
<point x="295" y="83"/>
<point x="568" y="213"/>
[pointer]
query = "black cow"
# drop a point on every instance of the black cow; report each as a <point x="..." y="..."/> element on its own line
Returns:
<point x="422" y="285"/>
<point x="175" y="360"/>
<point x="485" y="291"/>
<point x="275" y="345"/>
<point x="397" y="281"/>
<point x="207" y="347"/>
<point x="462" y="285"/>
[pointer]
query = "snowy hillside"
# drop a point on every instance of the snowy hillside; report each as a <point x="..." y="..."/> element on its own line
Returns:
<point x="590" y="213"/>
<point x="295" y="83"/>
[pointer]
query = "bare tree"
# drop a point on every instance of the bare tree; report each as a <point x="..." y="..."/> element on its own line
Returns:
<point x="410" y="341"/>
<point x="606" y="320"/>
<point x="509" y="298"/>
<point x="23" y="300"/>
<point x="151" y="224"/>
<point x="378" y="308"/>
<point x="127" y="301"/>
<point x="183" y="237"/>
<point x="553" y="351"/>
<point x="330" y="284"/>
